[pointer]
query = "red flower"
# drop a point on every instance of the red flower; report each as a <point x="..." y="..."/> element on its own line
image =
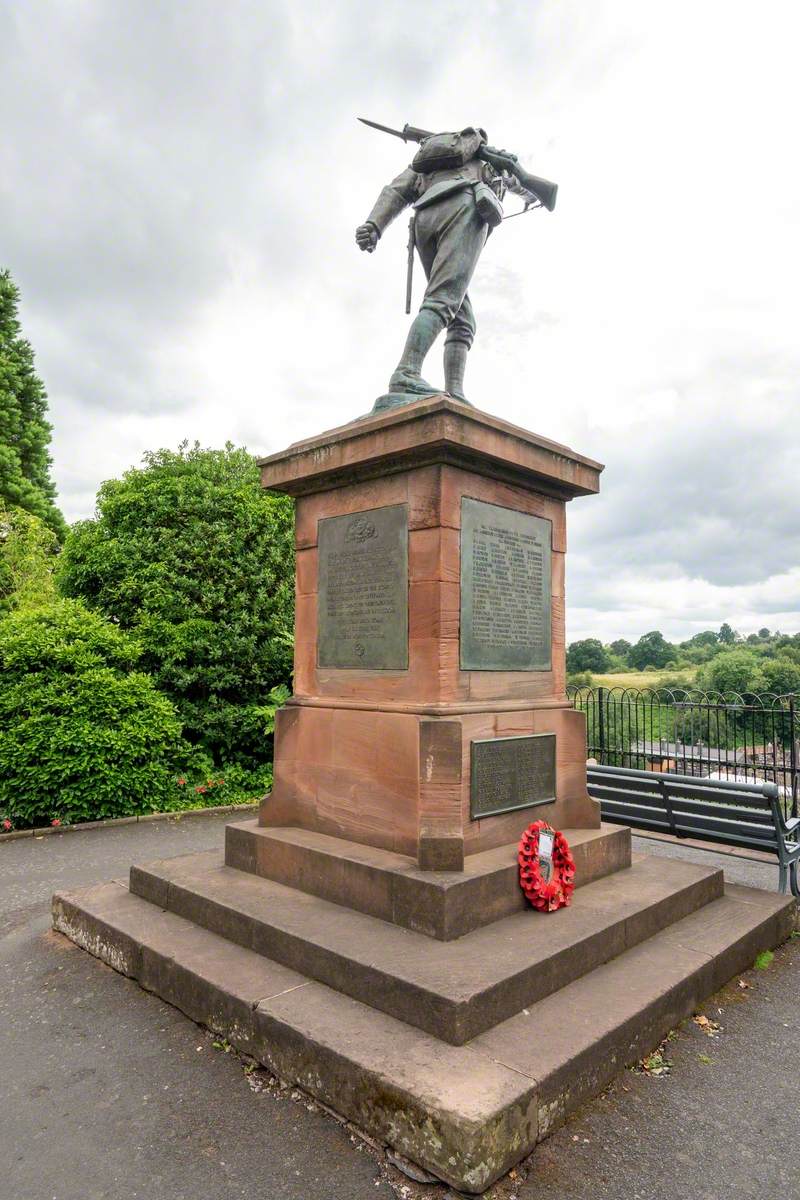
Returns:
<point x="55" y="821"/>
<point x="201" y="788"/>
<point x="181" y="782"/>
<point x="7" y="824"/>
<point x="546" y="895"/>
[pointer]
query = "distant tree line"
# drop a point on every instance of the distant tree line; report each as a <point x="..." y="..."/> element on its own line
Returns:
<point x="721" y="660"/>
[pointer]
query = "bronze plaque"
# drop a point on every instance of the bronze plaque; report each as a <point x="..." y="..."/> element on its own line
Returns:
<point x="512" y="772"/>
<point x="505" y="589"/>
<point x="362" y="603"/>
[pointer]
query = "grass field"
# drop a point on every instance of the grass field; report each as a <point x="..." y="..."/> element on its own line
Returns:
<point x="644" y="679"/>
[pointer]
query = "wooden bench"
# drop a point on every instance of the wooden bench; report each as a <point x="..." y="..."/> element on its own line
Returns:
<point x="688" y="806"/>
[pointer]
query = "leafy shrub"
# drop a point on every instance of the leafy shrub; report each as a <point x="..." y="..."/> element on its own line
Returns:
<point x="782" y="674"/>
<point x="734" y="672"/>
<point x="233" y="785"/>
<point x="580" y="679"/>
<point x="28" y="550"/>
<point x="191" y="555"/>
<point x="83" y="735"/>
<point x="673" y="685"/>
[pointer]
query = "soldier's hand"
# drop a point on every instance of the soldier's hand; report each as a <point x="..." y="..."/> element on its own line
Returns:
<point x="502" y="154"/>
<point x="499" y="159"/>
<point x="367" y="237"/>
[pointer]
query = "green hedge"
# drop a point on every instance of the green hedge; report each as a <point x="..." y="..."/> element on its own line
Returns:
<point x="83" y="734"/>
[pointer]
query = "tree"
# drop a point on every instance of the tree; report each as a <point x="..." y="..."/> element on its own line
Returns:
<point x="782" y="675"/>
<point x="83" y="734"/>
<point x="24" y="430"/>
<point x="587" y="655"/>
<point x="764" y="633"/>
<point x="736" y="671"/>
<point x="621" y="648"/>
<point x="726" y="634"/>
<point x="651" y="650"/>
<point x="27" y="558"/>
<point x="191" y="555"/>
<point x="707" y="638"/>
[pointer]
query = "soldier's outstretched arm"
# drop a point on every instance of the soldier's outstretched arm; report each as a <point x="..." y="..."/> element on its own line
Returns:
<point x="396" y="196"/>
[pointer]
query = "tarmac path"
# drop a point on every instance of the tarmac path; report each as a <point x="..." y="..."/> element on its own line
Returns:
<point x="107" y="1093"/>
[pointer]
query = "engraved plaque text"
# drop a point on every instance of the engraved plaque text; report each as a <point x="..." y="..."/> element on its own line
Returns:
<point x="362" y="603"/>
<point x="512" y="772"/>
<point x="505" y="589"/>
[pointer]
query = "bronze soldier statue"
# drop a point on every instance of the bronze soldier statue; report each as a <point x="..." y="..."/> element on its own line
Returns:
<point x="455" y="185"/>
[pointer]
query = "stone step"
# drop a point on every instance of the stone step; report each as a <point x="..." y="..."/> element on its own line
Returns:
<point x="453" y="990"/>
<point x="575" y="1041"/>
<point x="441" y="904"/>
<point x="466" y="1113"/>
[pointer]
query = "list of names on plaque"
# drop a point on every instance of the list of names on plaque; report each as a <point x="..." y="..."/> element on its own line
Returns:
<point x="505" y="589"/>
<point x="363" y="590"/>
<point x="512" y="772"/>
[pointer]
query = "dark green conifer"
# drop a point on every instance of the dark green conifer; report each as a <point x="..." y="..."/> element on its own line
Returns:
<point x="24" y="429"/>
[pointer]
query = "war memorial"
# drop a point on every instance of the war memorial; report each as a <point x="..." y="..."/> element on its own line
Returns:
<point x="366" y="936"/>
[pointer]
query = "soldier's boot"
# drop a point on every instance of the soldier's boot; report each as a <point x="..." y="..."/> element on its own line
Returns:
<point x="425" y="328"/>
<point x="455" y="360"/>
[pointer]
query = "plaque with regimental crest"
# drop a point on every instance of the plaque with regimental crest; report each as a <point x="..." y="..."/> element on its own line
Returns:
<point x="362" y="601"/>
<point x="512" y="772"/>
<point x="505" y="589"/>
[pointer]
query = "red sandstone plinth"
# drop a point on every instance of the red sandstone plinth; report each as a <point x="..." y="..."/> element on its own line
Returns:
<point x="382" y="757"/>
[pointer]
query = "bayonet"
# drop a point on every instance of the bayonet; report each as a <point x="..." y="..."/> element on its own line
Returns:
<point x="409" y="133"/>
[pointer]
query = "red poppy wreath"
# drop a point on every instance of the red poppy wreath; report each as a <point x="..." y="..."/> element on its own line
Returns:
<point x="546" y="892"/>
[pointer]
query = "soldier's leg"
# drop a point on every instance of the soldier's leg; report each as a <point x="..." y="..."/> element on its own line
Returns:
<point x="426" y="326"/>
<point x="459" y="245"/>
<point x="407" y="375"/>
<point x="460" y="335"/>
<point x="450" y="237"/>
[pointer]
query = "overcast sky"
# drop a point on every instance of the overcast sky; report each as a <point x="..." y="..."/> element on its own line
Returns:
<point x="179" y="184"/>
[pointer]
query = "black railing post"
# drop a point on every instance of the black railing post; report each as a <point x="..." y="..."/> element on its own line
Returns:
<point x="792" y="758"/>
<point x="601" y="724"/>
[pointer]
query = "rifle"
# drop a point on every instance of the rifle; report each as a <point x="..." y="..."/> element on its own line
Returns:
<point x="543" y="189"/>
<point x="410" y="267"/>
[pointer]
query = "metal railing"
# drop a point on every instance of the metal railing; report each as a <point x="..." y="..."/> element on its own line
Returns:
<point x="724" y="736"/>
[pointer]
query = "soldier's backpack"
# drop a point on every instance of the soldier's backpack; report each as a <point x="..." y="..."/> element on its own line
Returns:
<point x="447" y="151"/>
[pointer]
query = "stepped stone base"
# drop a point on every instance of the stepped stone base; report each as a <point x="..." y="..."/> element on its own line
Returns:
<point x="453" y="990"/>
<point x="460" y="1054"/>
<point x="442" y="904"/>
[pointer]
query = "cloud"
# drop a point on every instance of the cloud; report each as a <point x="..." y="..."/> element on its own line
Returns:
<point x="179" y="189"/>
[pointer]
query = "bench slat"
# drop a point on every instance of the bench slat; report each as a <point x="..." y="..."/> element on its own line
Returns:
<point x="636" y="822"/>
<point x="735" y="799"/>
<point x="759" y="833"/>
<point x="607" y="793"/>
<point x="727" y="812"/>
